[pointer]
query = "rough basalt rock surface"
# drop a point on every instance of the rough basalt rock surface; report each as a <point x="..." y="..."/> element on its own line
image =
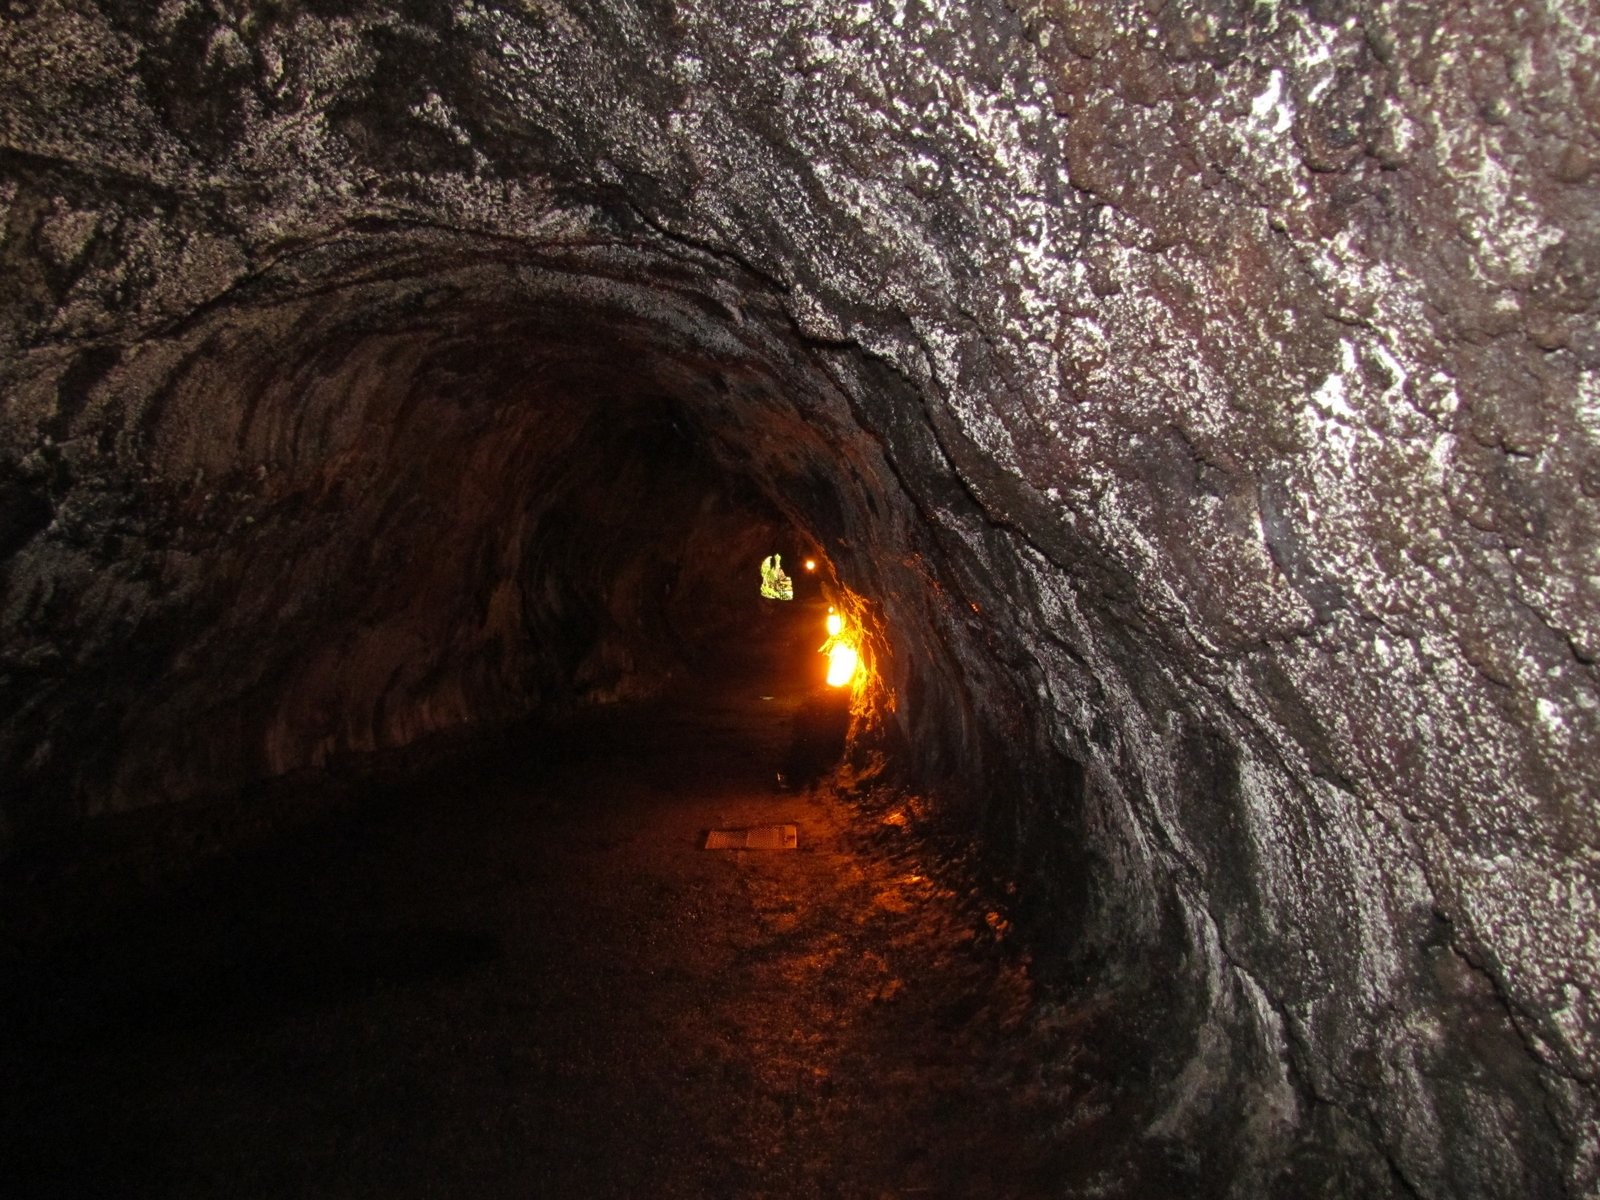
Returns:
<point x="1205" y="395"/>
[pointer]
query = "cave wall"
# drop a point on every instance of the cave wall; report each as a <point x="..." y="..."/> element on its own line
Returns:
<point x="1207" y="392"/>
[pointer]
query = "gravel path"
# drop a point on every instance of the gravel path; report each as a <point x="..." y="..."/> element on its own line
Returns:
<point x="524" y="977"/>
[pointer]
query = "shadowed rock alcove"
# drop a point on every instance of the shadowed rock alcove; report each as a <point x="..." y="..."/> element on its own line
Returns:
<point x="1199" y="398"/>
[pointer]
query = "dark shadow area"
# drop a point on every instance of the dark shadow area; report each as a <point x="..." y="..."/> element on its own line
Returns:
<point x="821" y="723"/>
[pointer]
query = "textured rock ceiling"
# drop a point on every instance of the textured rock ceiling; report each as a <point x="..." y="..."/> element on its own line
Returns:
<point x="1205" y="395"/>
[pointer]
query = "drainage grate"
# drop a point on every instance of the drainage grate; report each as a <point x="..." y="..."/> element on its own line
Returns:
<point x="755" y="837"/>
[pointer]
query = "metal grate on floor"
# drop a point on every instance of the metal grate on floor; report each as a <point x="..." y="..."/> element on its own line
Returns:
<point x="754" y="837"/>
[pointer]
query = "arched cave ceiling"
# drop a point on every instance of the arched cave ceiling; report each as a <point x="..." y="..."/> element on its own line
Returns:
<point x="1204" y="393"/>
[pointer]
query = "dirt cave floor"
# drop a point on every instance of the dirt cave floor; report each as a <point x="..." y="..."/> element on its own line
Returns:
<point x="523" y="976"/>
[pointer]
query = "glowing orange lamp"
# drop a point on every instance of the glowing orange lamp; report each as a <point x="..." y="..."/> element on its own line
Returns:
<point x="843" y="660"/>
<point x="842" y="663"/>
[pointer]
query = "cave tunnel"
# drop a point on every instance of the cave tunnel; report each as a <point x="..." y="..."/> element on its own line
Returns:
<point x="1190" y="407"/>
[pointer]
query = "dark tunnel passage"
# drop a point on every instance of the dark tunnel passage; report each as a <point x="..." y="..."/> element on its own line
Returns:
<point x="1190" y="407"/>
<point x="401" y="484"/>
<point x="480" y="537"/>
